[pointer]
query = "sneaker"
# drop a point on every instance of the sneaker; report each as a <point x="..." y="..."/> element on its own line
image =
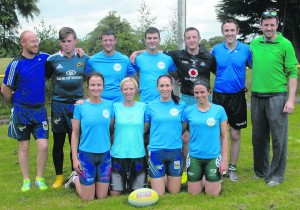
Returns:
<point x="232" y="176"/>
<point x="272" y="183"/>
<point x="184" y="177"/>
<point x="69" y="183"/>
<point x="58" y="181"/>
<point x="40" y="183"/>
<point x="26" y="185"/>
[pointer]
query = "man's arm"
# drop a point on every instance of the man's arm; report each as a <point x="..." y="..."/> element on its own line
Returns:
<point x="7" y="92"/>
<point x="134" y="55"/>
<point x="289" y="105"/>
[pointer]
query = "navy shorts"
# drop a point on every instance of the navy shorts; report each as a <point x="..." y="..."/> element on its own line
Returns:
<point x="165" y="162"/>
<point x="235" y="107"/>
<point x="61" y="116"/>
<point x="128" y="173"/>
<point x="25" y="121"/>
<point x="96" y="167"/>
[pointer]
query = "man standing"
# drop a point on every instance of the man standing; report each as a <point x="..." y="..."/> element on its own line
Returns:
<point x="232" y="57"/>
<point x="113" y="65"/>
<point x="24" y="86"/>
<point x="274" y="68"/>
<point x="151" y="64"/>
<point x="67" y="70"/>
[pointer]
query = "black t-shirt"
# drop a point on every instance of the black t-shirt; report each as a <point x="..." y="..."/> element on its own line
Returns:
<point x="192" y="67"/>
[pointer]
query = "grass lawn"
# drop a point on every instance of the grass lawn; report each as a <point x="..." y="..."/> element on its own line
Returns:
<point x="247" y="193"/>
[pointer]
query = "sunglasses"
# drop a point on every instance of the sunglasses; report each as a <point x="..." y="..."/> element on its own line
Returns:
<point x="270" y="13"/>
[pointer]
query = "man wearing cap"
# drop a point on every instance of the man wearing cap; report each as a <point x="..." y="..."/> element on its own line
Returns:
<point x="274" y="69"/>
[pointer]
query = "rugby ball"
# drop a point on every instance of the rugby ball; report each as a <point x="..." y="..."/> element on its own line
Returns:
<point x="143" y="197"/>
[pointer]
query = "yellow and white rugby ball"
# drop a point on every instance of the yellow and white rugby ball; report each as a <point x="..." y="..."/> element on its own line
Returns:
<point x="143" y="197"/>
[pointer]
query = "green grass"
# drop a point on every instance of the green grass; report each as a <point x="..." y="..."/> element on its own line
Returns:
<point x="247" y="193"/>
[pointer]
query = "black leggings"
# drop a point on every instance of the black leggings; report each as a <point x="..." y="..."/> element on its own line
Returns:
<point x="58" y="152"/>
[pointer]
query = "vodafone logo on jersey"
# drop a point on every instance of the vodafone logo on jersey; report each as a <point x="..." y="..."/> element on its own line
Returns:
<point x="193" y="72"/>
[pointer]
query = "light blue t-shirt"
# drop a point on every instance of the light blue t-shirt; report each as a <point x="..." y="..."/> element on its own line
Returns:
<point x="129" y="131"/>
<point x="150" y="67"/>
<point x="166" y="126"/>
<point x="114" y="69"/>
<point x="204" y="130"/>
<point x="231" y="67"/>
<point x="94" y="122"/>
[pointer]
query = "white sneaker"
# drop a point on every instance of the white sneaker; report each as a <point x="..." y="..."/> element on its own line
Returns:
<point x="69" y="183"/>
<point x="232" y="176"/>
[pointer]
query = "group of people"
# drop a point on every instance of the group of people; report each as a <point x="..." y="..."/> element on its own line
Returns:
<point x="109" y="131"/>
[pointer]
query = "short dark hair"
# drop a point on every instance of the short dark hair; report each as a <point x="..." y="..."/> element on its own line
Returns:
<point x="270" y="13"/>
<point x="66" y="31"/>
<point x="230" y="21"/>
<point x="152" y="30"/>
<point x="191" y="29"/>
<point x="107" y="32"/>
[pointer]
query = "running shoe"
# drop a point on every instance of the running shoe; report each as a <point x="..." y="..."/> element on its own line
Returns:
<point x="40" y="183"/>
<point x="58" y="181"/>
<point x="232" y="176"/>
<point x="69" y="183"/>
<point x="26" y="185"/>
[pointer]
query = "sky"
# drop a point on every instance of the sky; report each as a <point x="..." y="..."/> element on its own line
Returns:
<point x="83" y="15"/>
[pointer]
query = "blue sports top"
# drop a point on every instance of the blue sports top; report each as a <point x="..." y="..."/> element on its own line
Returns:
<point x="166" y="126"/>
<point x="94" y="122"/>
<point x="129" y="131"/>
<point x="204" y="130"/>
<point x="114" y="69"/>
<point x="150" y="68"/>
<point x="67" y="76"/>
<point x="26" y="77"/>
<point x="231" y="67"/>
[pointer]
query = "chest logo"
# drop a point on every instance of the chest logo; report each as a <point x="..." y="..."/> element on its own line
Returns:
<point x="193" y="72"/>
<point x="71" y="72"/>
<point x="174" y="112"/>
<point x="105" y="113"/>
<point x="117" y="67"/>
<point x="80" y="64"/>
<point x="210" y="121"/>
<point x="161" y="65"/>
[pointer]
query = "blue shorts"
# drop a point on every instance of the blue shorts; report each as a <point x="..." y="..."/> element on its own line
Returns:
<point x="61" y="116"/>
<point x="96" y="167"/>
<point x="165" y="161"/>
<point x="28" y="120"/>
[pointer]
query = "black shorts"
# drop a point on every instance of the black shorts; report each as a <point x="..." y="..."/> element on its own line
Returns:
<point x="235" y="106"/>
<point x="128" y="174"/>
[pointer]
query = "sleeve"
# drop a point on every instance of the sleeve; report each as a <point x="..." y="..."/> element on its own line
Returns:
<point x="213" y="66"/>
<point x="184" y="116"/>
<point x="147" y="114"/>
<point x="49" y="69"/>
<point x="290" y="61"/>
<point x="249" y="58"/>
<point x="223" y="114"/>
<point x="130" y="69"/>
<point x="77" y="114"/>
<point x="88" y="67"/>
<point x="172" y="66"/>
<point x="10" y="74"/>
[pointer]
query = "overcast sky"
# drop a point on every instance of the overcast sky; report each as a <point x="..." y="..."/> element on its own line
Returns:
<point x="83" y="15"/>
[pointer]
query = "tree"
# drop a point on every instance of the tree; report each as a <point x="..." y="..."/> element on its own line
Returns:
<point x="9" y="22"/>
<point x="248" y="13"/>
<point x="111" y="21"/>
<point x="170" y="41"/>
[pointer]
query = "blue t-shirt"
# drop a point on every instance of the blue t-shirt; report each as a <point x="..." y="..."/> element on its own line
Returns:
<point x="166" y="126"/>
<point x="94" y="122"/>
<point x="129" y="131"/>
<point x="67" y="76"/>
<point x="114" y="69"/>
<point x="26" y="77"/>
<point x="150" y="67"/>
<point x="231" y="67"/>
<point x="204" y="130"/>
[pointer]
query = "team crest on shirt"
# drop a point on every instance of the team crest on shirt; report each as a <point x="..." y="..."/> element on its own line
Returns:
<point x="210" y="121"/>
<point x="105" y="113"/>
<point x="79" y="64"/>
<point x="117" y="67"/>
<point x="193" y="72"/>
<point x="174" y="112"/>
<point x="161" y="65"/>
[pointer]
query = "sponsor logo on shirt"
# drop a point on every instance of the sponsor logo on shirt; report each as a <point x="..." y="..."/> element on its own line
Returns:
<point x="161" y="65"/>
<point x="59" y="66"/>
<point x="202" y="63"/>
<point x="174" y="112"/>
<point x="193" y="72"/>
<point x="71" y="72"/>
<point x="117" y="67"/>
<point x="210" y="121"/>
<point x="185" y="62"/>
<point x="105" y="113"/>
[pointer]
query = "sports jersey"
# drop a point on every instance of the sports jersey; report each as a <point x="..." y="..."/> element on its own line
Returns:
<point x="192" y="67"/>
<point x="166" y="126"/>
<point x="94" y="122"/>
<point x="204" y="130"/>
<point x="114" y="69"/>
<point x="67" y="76"/>
<point x="150" y="67"/>
<point x="129" y="131"/>
<point x="279" y="62"/>
<point x="26" y="77"/>
<point x="231" y="67"/>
